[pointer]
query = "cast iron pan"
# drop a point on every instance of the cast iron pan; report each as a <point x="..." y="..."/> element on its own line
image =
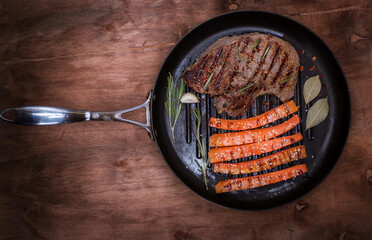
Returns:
<point x="324" y="143"/>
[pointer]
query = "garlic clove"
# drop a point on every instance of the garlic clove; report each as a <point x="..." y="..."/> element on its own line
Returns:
<point x="189" y="98"/>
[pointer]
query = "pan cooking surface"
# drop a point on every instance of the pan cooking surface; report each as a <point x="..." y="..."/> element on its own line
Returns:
<point x="324" y="143"/>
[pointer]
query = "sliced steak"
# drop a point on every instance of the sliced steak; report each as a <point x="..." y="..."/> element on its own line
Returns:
<point x="236" y="70"/>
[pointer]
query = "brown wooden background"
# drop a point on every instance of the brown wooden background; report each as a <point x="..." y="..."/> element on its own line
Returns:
<point x="103" y="180"/>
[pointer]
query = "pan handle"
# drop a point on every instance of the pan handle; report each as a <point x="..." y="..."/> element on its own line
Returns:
<point x="40" y="115"/>
<point x="118" y="115"/>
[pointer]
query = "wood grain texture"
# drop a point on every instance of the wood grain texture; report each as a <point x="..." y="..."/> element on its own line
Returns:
<point x="108" y="180"/>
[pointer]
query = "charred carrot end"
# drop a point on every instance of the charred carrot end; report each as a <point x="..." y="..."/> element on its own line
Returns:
<point x="265" y="163"/>
<point x="252" y="136"/>
<point x="230" y="153"/>
<point x="260" y="180"/>
<point x="255" y="122"/>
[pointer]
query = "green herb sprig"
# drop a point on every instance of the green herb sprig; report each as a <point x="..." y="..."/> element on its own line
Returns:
<point x="237" y="49"/>
<point x="245" y="88"/>
<point x="173" y="105"/>
<point x="209" y="79"/>
<point x="255" y="44"/>
<point x="266" y="51"/>
<point x="285" y="80"/>
<point x="201" y="146"/>
<point x="223" y="57"/>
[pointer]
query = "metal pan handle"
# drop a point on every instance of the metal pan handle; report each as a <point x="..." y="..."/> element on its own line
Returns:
<point x="40" y="115"/>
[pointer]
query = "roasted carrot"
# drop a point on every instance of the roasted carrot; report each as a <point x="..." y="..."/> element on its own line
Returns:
<point x="261" y="164"/>
<point x="252" y="136"/>
<point x="260" y="180"/>
<point x="255" y="122"/>
<point x="235" y="152"/>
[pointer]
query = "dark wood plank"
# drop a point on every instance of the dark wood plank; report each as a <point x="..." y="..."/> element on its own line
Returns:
<point x="108" y="180"/>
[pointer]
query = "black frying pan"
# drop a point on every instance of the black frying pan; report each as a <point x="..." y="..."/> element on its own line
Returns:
<point x="324" y="143"/>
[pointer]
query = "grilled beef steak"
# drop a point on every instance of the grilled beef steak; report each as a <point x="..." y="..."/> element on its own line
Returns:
<point x="235" y="70"/>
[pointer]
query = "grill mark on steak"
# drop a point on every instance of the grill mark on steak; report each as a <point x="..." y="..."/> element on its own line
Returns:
<point x="242" y="45"/>
<point x="201" y="69"/>
<point x="227" y="56"/>
<point x="273" y="61"/>
<point x="217" y="81"/>
<point x="261" y="63"/>
<point x="205" y="73"/>
<point x="245" y="44"/>
<point x="282" y="85"/>
<point x="257" y="55"/>
<point x="282" y="65"/>
<point x="250" y="61"/>
<point x="218" y="55"/>
<point x="289" y="72"/>
<point x="210" y="64"/>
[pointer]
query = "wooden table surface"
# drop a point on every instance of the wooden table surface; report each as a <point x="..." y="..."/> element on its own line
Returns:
<point x="105" y="180"/>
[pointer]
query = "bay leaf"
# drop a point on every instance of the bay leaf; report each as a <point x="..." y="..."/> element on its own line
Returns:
<point x="312" y="88"/>
<point x="317" y="113"/>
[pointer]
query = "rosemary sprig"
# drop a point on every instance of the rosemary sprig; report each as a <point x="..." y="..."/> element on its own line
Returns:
<point x="223" y="57"/>
<point x="209" y="79"/>
<point x="255" y="44"/>
<point x="245" y="88"/>
<point x="267" y="49"/>
<point x="285" y="80"/>
<point x="237" y="49"/>
<point x="173" y="105"/>
<point x="201" y="146"/>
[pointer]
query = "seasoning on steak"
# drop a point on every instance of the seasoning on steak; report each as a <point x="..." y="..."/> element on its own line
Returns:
<point x="241" y="68"/>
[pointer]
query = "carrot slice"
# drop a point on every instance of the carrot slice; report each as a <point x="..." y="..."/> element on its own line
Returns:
<point x="251" y="136"/>
<point x="260" y="180"/>
<point x="235" y="152"/>
<point x="264" y="163"/>
<point x="255" y="122"/>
